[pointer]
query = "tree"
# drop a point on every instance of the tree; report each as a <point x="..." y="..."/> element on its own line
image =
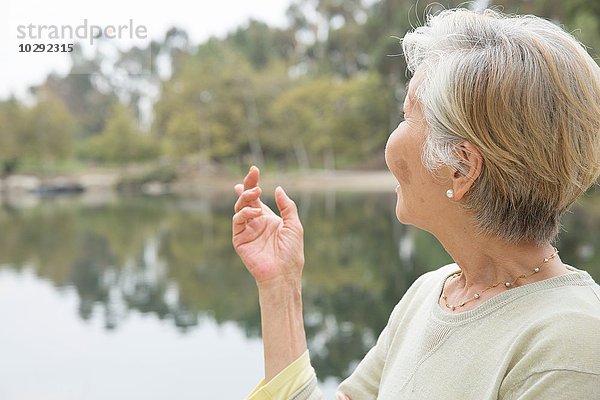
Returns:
<point x="50" y="130"/>
<point x="12" y="119"/>
<point x="261" y="44"/>
<point x="121" y="141"/>
<point x="341" y="122"/>
<point x="214" y="106"/>
<point x="79" y="92"/>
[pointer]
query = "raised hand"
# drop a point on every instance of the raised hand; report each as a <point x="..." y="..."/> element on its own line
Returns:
<point x="271" y="247"/>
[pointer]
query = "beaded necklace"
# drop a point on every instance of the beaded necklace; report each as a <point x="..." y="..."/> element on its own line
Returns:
<point x="508" y="285"/>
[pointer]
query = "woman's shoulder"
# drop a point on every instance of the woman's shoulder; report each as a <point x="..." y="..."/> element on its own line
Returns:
<point x="575" y="293"/>
<point x="564" y="335"/>
<point x="563" y="313"/>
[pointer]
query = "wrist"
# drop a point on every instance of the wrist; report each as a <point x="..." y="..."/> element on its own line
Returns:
<point x="280" y="284"/>
<point x="280" y="290"/>
<point x="282" y="323"/>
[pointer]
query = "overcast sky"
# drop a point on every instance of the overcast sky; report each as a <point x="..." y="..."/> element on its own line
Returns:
<point x="201" y="19"/>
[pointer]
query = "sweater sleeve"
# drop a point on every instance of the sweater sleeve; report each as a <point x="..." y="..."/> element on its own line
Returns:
<point x="363" y="384"/>
<point x="558" y="359"/>
<point x="365" y="381"/>
<point x="557" y="385"/>
<point x="293" y="378"/>
<point x="299" y="382"/>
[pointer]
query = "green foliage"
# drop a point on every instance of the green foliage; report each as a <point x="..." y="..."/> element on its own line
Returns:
<point x="40" y="134"/>
<point x="322" y="92"/>
<point x="87" y="105"/>
<point x="213" y="105"/>
<point x="12" y="119"/>
<point x="261" y="44"/>
<point x="49" y="131"/>
<point x="120" y="141"/>
<point x="330" y="117"/>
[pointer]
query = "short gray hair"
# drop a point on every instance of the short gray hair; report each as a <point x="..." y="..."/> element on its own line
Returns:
<point x="526" y="94"/>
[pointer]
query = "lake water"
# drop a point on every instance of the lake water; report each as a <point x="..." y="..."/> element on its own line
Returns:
<point x="138" y="298"/>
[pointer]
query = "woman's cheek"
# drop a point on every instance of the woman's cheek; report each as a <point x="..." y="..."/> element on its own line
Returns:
<point x="403" y="172"/>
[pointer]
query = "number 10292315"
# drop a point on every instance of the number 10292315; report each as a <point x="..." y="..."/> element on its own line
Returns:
<point x="45" y="48"/>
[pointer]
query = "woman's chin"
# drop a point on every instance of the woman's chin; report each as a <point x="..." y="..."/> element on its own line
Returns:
<point x="401" y="216"/>
<point x="406" y="218"/>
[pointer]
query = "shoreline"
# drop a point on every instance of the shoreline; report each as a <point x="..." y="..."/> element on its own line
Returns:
<point x="190" y="184"/>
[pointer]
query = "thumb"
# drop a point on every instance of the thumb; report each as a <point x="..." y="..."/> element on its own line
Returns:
<point x="287" y="208"/>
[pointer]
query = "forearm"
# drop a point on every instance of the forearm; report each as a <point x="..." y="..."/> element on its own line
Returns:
<point x="283" y="333"/>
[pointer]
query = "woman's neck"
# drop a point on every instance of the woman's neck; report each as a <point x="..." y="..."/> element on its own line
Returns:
<point x="486" y="261"/>
<point x="489" y="262"/>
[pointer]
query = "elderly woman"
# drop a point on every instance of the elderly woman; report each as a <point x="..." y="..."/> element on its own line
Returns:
<point x="500" y="136"/>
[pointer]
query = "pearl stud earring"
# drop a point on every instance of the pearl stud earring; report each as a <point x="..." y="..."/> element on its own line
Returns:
<point x="450" y="193"/>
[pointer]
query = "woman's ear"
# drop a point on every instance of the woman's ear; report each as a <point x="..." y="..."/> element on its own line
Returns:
<point x="471" y="162"/>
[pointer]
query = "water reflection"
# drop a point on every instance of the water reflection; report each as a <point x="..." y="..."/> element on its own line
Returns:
<point x="173" y="258"/>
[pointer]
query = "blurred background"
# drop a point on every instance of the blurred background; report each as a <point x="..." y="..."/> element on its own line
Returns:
<point x="117" y="161"/>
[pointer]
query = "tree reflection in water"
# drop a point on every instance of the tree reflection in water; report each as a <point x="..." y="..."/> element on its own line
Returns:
<point x="174" y="258"/>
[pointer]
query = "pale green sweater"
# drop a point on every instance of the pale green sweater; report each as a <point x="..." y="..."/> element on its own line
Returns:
<point x="537" y="341"/>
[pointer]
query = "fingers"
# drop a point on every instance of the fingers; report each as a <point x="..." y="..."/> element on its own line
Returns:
<point x="239" y="189"/>
<point x="249" y="198"/>
<point x="287" y="209"/>
<point x="248" y="192"/>
<point x="241" y="218"/>
<point x="251" y="179"/>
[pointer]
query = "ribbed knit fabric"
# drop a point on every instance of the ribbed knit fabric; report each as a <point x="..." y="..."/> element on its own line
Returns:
<point x="537" y="341"/>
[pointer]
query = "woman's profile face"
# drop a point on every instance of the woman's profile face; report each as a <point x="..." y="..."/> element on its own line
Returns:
<point x="419" y="194"/>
